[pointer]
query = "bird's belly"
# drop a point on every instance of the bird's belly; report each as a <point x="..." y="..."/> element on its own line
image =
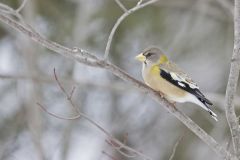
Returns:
<point x="170" y="91"/>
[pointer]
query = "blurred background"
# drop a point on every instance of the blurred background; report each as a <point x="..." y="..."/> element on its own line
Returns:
<point x="196" y="34"/>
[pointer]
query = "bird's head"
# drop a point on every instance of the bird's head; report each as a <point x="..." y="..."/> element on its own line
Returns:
<point x="152" y="55"/>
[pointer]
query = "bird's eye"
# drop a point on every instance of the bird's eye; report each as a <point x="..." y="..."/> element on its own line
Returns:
<point x="149" y="54"/>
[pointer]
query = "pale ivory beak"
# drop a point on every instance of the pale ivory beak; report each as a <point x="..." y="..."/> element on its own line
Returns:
<point x="140" y="57"/>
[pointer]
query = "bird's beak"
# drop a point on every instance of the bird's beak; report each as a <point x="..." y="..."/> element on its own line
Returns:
<point x="140" y="57"/>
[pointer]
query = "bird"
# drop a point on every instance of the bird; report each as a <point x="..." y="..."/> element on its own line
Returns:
<point x="164" y="76"/>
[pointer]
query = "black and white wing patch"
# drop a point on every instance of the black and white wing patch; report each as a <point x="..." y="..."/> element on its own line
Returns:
<point x="184" y="83"/>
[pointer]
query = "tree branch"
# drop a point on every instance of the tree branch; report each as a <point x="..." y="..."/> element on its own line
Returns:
<point x="119" y="21"/>
<point x="83" y="57"/>
<point x="120" y="147"/>
<point x="232" y="83"/>
<point x="21" y="6"/>
<point x="121" y="5"/>
<point x="175" y="147"/>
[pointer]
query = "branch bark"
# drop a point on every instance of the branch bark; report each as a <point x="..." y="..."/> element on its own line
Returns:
<point x="232" y="83"/>
<point x="89" y="59"/>
<point x="119" y="3"/>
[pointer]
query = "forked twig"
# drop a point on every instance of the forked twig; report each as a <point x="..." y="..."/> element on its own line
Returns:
<point x="120" y="147"/>
<point x="57" y="116"/>
<point x="120" y="19"/>
<point x="116" y="144"/>
<point x="21" y="6"/>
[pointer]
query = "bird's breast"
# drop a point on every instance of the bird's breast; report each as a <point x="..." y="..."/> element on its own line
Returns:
<point x="152" y="78"/>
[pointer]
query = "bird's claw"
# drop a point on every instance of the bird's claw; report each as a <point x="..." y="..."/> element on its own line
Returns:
<point x="174" y="105"/>
<point x="161" y="94"/>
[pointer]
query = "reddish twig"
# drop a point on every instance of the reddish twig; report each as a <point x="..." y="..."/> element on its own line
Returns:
<point x="121" y="148"/>
<point x="57" y="116"/>
<point x="116" y="144"/>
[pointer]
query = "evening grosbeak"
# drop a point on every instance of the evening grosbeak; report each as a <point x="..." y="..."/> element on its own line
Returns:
<point x="164" y="76"/>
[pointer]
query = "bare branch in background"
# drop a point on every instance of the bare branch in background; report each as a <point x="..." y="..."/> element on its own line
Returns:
<point x="175" y="147"/>
<point x="120" y="147"/>
<point x="121" y="5"/>
<point x="69" y="98"/>
<point x="139" y="2"/>
<point x="56" y="116"/>
<point x="8" y="11"/>
<point x="229" y="145"/>
<point x="119" y="21"/>
<point x="116" y="144"/>
<point x="84" y="58"/>
<point x="232" y="83"/>
<point x="21" y="6"/>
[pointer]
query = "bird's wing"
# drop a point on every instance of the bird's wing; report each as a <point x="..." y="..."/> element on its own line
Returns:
<point x="177" y="77"/>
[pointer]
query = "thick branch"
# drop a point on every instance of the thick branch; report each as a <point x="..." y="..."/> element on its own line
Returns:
<point x="232" y="83"/>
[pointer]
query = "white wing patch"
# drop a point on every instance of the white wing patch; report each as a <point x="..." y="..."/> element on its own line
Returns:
<point x="175" y="76"/>
<point x="181" y="84"/>
<point x="184" y="79"/>
<point x="192" y="85"/>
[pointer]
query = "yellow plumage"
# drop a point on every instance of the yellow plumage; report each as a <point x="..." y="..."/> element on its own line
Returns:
<point x="156" y="82"/>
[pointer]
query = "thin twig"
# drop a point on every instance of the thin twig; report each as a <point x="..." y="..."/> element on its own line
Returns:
<point x="120" y="147"/>
<point x="56" y="116"/>
<point x="120" y="19"/>
<point x="72" y="91"/>
<point x="121" y="5"/>
<point x="67" y="52"/>
<point x="139" y="2"/>
<point x="175" y="147"/>
<point x="21" y="6"/>
<point x="12" y="12"/>
<point x="113" y="141"/>
<point x="232" y="83"/>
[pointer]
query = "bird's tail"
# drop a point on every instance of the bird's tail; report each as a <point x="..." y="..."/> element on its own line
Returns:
<point x="206" y="105"/>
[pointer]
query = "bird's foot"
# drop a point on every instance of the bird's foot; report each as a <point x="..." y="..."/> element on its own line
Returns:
<point x="161" y="94"/>
<point x="174" y="105"/>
